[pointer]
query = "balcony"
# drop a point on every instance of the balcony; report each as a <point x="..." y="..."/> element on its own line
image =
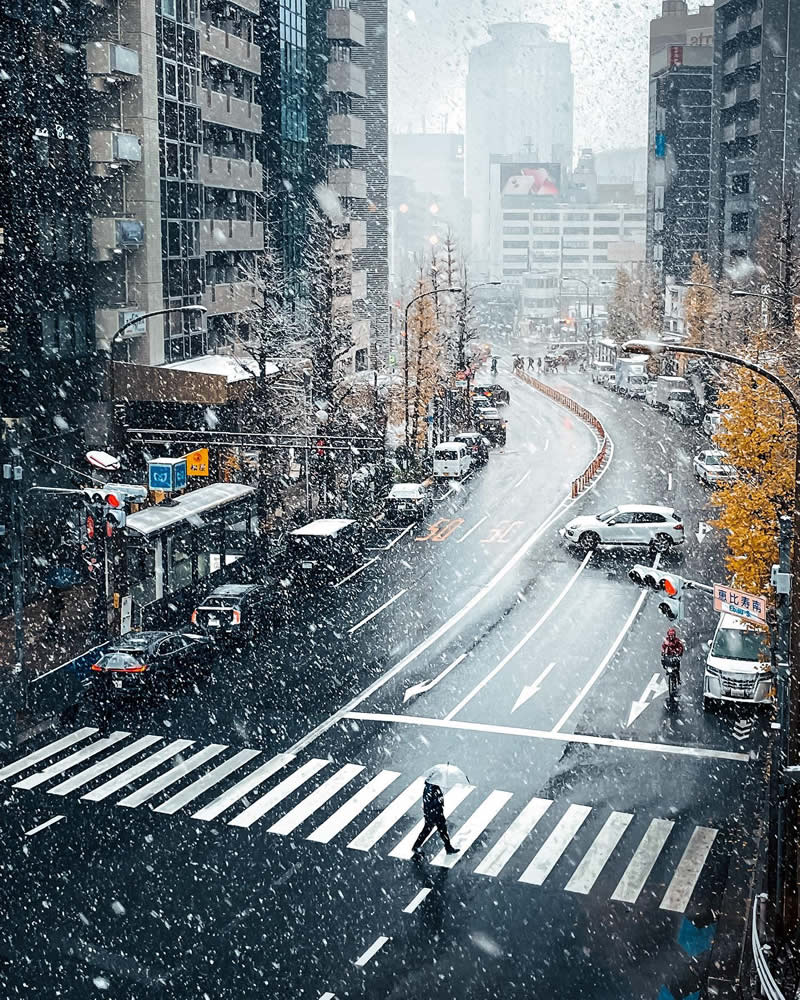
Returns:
<point x="238" y="296"/>
<point x="252" y="5"/>
<point x="230" y="173"/>
<point x="219" y="44"/>
<point x="231" y="234"/>
<point x="108" y="150"/>
<point x="358" y="284"/>
<point x="109" y="64"/>
<point x="347" y="130"/>
<point x="346" y="78"/>
<point x="346" y="26"/>
<point x="348" y="182"/>
<point x="229" y="111"/>
<point x="112" y="237"/>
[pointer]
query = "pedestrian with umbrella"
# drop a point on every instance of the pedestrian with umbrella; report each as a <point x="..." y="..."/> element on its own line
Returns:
<point x="438" y="777"/>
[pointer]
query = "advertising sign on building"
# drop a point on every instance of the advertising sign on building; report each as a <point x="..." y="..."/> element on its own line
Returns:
<point x="676" y="55"/>
<point x="530" y="180"/>
<point x="167" y="474"/>
<point x="197" y="462"/>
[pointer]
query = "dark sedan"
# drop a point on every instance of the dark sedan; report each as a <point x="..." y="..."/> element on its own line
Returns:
<point x="141" y="662"/>
<point x="497" y="394"/>
<point x="242" y="609"/>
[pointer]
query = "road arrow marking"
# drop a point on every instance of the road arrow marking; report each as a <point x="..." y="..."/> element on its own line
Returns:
<point x="702" y="530"/>
<point x="531" y="689"/>
<point x="656" y="687"/>
<point x="742" y="729"/>
<point x="423" y="686"/>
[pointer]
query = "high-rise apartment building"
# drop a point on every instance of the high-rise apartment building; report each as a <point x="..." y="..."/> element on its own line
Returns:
<point x="679" y="139"/>
<point x="756" y="130"/>
<point x="519" y="102"/>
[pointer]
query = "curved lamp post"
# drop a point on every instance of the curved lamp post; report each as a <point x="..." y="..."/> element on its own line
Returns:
<point x="787" y="692"/>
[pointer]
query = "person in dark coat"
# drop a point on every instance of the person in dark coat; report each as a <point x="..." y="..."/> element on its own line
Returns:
<point x="433" y="811"/>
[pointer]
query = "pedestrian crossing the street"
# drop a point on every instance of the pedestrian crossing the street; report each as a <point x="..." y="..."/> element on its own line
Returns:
<point x="500" y="834"/>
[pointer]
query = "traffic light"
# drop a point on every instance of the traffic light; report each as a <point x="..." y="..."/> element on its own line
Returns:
<point x="668" y="585"/>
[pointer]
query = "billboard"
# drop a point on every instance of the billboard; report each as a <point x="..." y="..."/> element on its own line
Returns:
<point x="530" y="180"/>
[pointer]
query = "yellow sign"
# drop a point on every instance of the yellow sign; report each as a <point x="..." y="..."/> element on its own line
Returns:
<point x="197" y="462"/>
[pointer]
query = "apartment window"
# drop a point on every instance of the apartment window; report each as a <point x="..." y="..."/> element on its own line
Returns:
<point x="606" y="216"/>
<point x="546" y="230"/>
<point x="515" y="216"/>
<point x="740" y="183"/>
<point x="361" y="359"/>
<point x="658" y="252"/>
<point x="515" y="245"/>
<point x="634" y="217"/>
<point x="739" y="222"/>
<point x="606" y="230"/>
<point x="515" y="230"/>
<point x="545" y="244"/>
<point x="546" y="216"/>
<point x="170" y="79"/>
<point x="659" y="198"/>
<point x="576" y="244"/>
<point x="577" y="216"/>
<point x="168" y="8"/>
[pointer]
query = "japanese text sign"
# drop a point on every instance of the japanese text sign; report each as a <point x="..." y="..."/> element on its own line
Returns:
<point x="751" y="607"/>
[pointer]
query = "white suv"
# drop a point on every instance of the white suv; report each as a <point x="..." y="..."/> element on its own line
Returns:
<point x="632" y="525"/>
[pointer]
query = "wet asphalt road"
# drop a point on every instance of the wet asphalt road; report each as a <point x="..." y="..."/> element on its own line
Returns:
<point x="597" y="828"/>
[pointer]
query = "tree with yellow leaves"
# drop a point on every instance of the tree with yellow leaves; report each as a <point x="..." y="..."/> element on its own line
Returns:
<point x="758" y="435"/>
<point x="700" y="305"/>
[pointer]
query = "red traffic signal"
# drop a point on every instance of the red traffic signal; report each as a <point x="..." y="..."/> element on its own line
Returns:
<point x="112" y="500"/>
<point x="669" y="587"/>
<point x="320" y="447"/>
<point x="89" y="526"/>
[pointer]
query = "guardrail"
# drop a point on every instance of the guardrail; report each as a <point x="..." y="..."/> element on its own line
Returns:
<point x="597" y="463"/>
<point x="769" y="988"/>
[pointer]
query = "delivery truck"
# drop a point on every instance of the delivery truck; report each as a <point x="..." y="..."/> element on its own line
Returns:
<point x="631" y="375"/>
<point x="665" y="384"/>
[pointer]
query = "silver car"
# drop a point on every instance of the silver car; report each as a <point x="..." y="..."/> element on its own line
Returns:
<point x="711" y="467"/>
<point x="629" y="525"/>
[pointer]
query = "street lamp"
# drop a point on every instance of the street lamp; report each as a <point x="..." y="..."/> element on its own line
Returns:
<point x="787" y="694"/>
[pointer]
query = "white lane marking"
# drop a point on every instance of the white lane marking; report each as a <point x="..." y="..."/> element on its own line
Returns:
<point x="593" y="862"/>
<point x="468" y="833"/>
<point x="512" y="839"/>
<point x="521" y="481"/>
<point x="347" y="812"/>
<point x="375" y="613"/>
<point x="452" y="798"/>
<point x="274" y="796"/>
<point x="669" y="481"/>
<point x="46" y="751"/>
<point x="373" y="949"/>
<point x="85" y="753"/>
<point x="90" y="773"/>
<point x="241" y="788"/>
<point x="661" y="446"/>
<point x="680" y="889"/>
<point x="526" y="638"/>
<point x="639" y="422"/>
<point x="43" y="826"/>
<point x="642" y="862"/>
<point x="309" y="805"/>
<point x="546" y="858"/>
<point x="656" y="687"/>
<point x="132" y="773"/>
<point x="587" y="687"/>
<point x="550" y="734"/>
<point x="473" y="528"/>
<point x="205" y="781"/>
<point x="386" y="819"/>
<point x="451" y="623"/>
<point x="531" y="689"/>
<point x="425" y="686"/>
<point x="394" y="541"/>
<point x="547" y="444"/>
<point x="152" y="788"/>
<point x="417" y="900"/>
<point x="328" y="996"/>
<point x="355" y="572"/>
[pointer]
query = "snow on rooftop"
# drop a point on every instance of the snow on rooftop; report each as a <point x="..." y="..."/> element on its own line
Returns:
<point x="234" y="369"/>
<point x="325" y="526"/>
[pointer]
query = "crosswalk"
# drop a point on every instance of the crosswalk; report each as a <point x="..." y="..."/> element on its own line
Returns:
<point x="324" y="801"/>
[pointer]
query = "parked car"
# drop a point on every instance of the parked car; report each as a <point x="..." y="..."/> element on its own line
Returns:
<point x="489" y="423"/>
<point x="711" y="467"/>
<point x="600" y="369"/>
<point x="629" y="525"/>
<point x="477" y="445"/>
<point x="451" y="460"/>
<point x="323" y="548"/>
<point x="711" y="422"/>
<point x="738" y="664"/>
<point x="665" y="386"/>
<point x="408" y="501"/>
<point x="496" y="394"/>
<point x="609" y="381"/>
<point x="683" y="407"/>
<point x="651" y="392"/>
<point x="242" y="609"/>
<point x="481" y="402"/>
<point x="142" y="662"/>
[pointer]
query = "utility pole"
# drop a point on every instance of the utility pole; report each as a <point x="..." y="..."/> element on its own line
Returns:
<point x="13" y="474"/>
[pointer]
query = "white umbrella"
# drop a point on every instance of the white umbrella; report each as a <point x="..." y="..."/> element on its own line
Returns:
<point x="445" y="776"/>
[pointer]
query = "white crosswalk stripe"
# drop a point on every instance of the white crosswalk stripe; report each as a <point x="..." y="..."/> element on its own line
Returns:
<point x="270" y="799"/>
<point x="642" y="862"/>
<point x="78" y="757"/>
<point x="593" y="862"/>
<point x="347" y="812"/>
<point x="49" y="750"/>
<point x="614" y="843"/>
<point x="132" y="773"/>
<point x="315" y="800"/>
<point x="551" y="850"/>
<point x="164" y="781"/>
<point x="511" y="840"/>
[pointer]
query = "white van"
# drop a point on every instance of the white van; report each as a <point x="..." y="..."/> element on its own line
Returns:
<point x="451" y="460"/>
<point x="738" y="664"/>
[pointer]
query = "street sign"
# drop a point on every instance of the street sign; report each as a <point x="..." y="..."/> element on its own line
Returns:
<point x="168" y="474"/>
<point x="197" y="462"/>
<point x="751" y="607"/>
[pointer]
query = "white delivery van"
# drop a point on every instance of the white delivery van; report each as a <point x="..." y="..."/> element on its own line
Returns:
<point x="738" y="664"/>
<point x="451" y="460"/>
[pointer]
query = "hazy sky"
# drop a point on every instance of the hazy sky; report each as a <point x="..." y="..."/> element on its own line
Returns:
<point x="429" y="41"/>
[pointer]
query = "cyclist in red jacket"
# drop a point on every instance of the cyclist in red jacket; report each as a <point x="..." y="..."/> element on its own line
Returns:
<point x="672" y="646"/>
